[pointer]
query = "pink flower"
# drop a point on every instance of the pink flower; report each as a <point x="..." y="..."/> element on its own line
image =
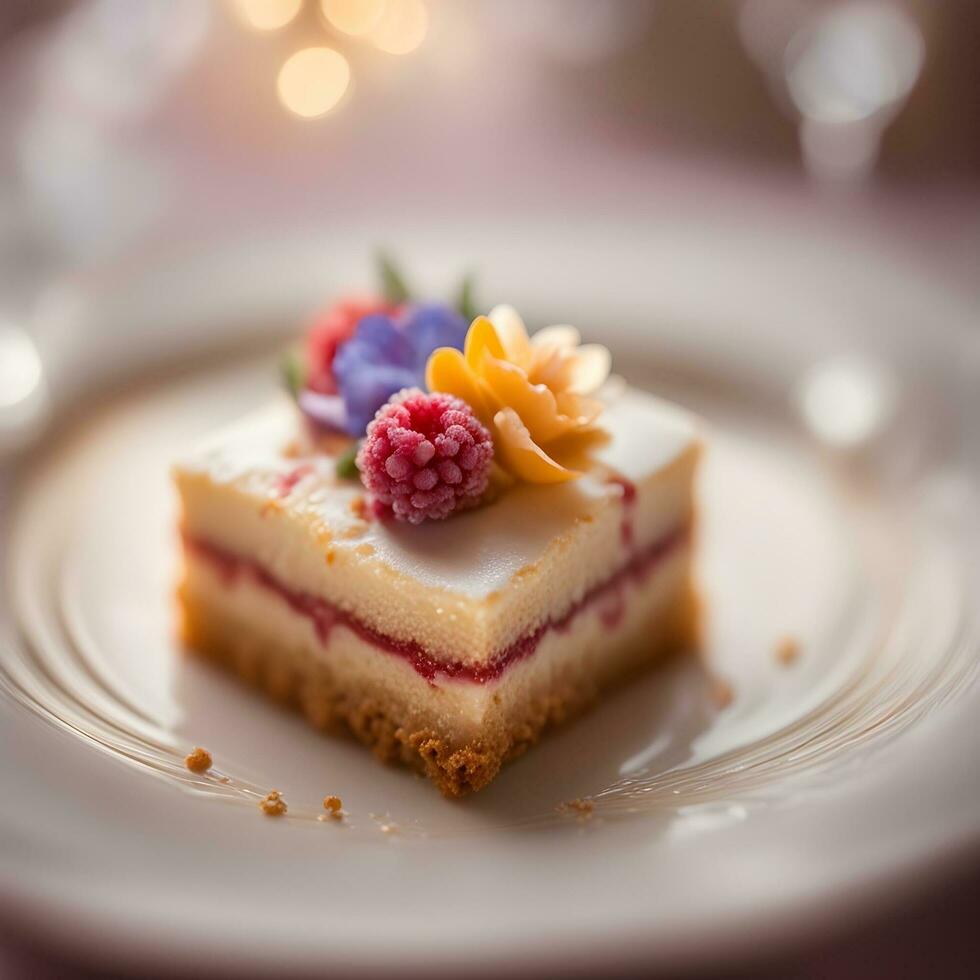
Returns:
<point x="425" y="455"/>
<point x="330" y="329"/>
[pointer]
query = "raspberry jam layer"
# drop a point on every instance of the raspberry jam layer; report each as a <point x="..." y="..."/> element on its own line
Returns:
<point x="609" y="597"/>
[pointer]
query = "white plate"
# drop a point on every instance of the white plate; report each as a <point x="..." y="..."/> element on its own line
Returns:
<point x="840" y="503"/>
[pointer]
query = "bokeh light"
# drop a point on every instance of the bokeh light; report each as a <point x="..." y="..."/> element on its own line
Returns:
<point x="846" y="401"/>
<point x="853" y="62"/>
<point x="267" y="15"/>
<point x="402" y="27"/>
<point x="24" y="404"/>
<point x="20" y="366"/>
<point x="354" y="16"/>
<point x="312" y="81"/>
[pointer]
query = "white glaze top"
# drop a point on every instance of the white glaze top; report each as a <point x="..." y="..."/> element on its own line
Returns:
<point x="473" y="554"/>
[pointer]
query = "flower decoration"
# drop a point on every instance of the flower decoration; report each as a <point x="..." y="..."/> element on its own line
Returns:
<point x="364" y="348"/>
<point x="501" y="405"/>
<point x="534" y="394"/>
<point x="333" y="327"/>
<point x="424" y="456"/>
<point x="388" y="353"/>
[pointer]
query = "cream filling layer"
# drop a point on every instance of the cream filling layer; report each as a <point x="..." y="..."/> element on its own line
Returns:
<point x="599" y="642"/>
<point x="326" y="615"/>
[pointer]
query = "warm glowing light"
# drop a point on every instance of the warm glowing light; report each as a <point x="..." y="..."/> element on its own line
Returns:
<point x="312" y="81"/>
<point x="267" y="15"/>
<point x="354" y="16"/>
<point x="402" y="27"/>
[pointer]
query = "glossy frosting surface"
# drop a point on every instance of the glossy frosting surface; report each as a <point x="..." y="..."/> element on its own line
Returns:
<point x="474" y="554"/>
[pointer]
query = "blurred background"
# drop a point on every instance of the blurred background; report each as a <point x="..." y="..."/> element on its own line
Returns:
<point x="134" y="126"/>
<point x="126" y="124"/>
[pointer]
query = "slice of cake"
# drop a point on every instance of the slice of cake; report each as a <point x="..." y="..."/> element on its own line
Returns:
<point x="447" y="607"/>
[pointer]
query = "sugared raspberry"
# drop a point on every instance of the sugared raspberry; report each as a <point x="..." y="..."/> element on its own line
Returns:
<point x="425" y="455"/>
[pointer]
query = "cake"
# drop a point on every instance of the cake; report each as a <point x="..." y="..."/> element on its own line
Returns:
<point x="441" y="596"/>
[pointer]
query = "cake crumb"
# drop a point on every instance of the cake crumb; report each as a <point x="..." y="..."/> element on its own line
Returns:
<point x="722" y="692"/>
<point x="364" y="550"/>
<point x="271" y="506"/>
<point x="335" y="806"/>
<point x="354" y="530"/>
<point x="787" y="650"/>
<point x="331" y="556"/>
<point x="582" y="808"/>
<point x="528" y="571"/>
<point x="273" y="805"/>
<point x="359" y="507"/>
<point x="199" y="760"/>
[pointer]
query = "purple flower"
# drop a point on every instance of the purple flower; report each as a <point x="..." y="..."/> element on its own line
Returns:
<point x="388" y="353"/>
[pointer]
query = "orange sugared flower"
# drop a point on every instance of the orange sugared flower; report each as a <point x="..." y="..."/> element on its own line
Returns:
<point x="533" y="393"/>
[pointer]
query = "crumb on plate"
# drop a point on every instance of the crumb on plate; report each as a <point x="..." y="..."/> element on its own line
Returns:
<point x="335" y="806"/>
<point x="273" y="805"/>
<point x="199" y="760"/>
<point x="582" y="808"/>
<point x="722" y="692"/>
<point x="787" y="650"/>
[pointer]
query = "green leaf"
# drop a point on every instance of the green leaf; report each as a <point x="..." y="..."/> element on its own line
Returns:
<point x="293" y="372"/>
<point x="465" y="302"/>
<point x="347" y="463"/>
<point x="393" y="285"/>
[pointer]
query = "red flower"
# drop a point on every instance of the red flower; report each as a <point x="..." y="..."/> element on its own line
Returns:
<point x="329" y="330"/>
